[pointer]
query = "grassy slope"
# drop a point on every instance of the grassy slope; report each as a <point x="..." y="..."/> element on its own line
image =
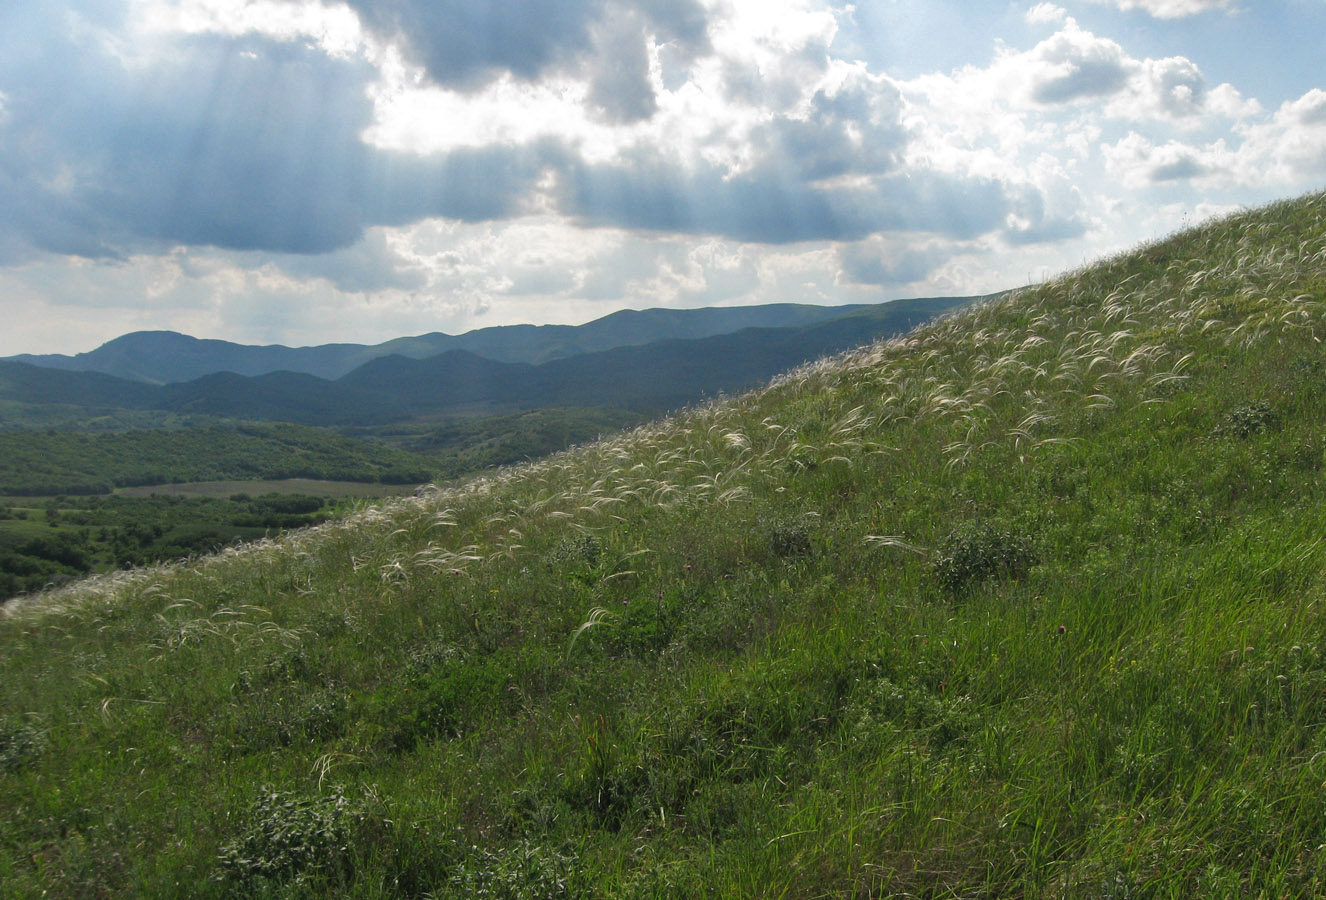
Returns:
<point x="715" y="657"/>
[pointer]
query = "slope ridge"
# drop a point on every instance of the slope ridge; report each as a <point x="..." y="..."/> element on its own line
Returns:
<point x="1025" y="603"/>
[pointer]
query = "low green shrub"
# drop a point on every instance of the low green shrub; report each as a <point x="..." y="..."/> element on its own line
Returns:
<point x="523" y="872"/>
<point x="973" y="554"/>
<point x="293" y="837"/>
<point x="1247" y="420"/>
<point x="19" y="744"/>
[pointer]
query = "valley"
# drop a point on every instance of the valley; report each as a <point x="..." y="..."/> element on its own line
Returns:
<point x="75" y="429"/>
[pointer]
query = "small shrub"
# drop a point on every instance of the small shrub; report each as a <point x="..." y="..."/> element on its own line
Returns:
<point x="524" y="872"/>
<point x="577" y="557"/>
<point x="888" y="706"/>
<point x="576" y="551"/>
<point x="293" y="837"/>
<point x="1245" y="421"/>
<point x="19" y="744"/>
<point x="789" y="539"/>
<point x="971" y="555"/>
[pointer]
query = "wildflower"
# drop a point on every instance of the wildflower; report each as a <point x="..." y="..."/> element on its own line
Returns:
<point x="1063" y="628"/>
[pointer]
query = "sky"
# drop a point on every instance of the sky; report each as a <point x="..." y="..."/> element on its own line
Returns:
<point x="304" y="172"/>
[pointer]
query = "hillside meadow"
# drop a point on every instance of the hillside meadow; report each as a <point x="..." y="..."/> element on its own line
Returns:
<point x="1026" y="603"/>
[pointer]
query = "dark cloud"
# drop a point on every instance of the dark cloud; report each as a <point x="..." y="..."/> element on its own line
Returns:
<point x="1180" y="169"/>
<point x="242" y="144"/>
<point x="254" y="144"/>
<point x="771" y="206"/>
<point x="1046" y="231"/>
<point x="681" y="22"/>
<point x="620" y="86"/>
<point x="857" y="130"/>
<point x="1035" y="223"/>
<point x="865" y="264"/>
<point x="369" y="265"/>
<point x="475" y="184"/>
<point x="466" y="43"/>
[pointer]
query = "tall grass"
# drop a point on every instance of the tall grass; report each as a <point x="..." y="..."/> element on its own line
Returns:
<point x="1025" y="603"/>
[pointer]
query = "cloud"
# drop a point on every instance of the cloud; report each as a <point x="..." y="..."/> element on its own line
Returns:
<point x="1288" y="148"/>
<point x="1170" y="9"/>
<point x="464" y="44"/>
<point x="852" y="127"/>
<point x="621" y="86"/>
<point x="378" y="261"/>
<point x="1174" y="86"/>
<point x="1140" y="163"/>
<point x="240" y="143"/>
<point x="1072" y="72"/>
<point x="650" y="193"/>
<point x="1076" y="65"/>
<point x="1043" y="13"/>
<point x="889" y="264"/>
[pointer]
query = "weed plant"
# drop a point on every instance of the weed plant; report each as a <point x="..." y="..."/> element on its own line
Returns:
<point x="1028" y="603"/>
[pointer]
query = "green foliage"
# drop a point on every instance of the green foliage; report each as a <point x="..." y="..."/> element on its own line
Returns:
<point x="790" y="538"/>
<point x="975" y="553"/>
<point x="523" y="872"/>
<point x="20" y="744"/>
<point x="291" y="836"/>
<point x="34" y="463"/>
<point x="98" y="534"/>
<point x="460" y="446"/>
<point x="1245" y="421"/>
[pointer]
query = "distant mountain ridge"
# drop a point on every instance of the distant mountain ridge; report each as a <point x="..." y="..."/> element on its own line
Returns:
<point x="166" y="357"/>
<point x="653" y="377"/>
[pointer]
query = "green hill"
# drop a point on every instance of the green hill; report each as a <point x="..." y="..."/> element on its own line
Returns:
<point x="1027" y="603"/>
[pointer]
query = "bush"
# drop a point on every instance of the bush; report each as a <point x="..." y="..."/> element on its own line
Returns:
<point x="293" y="837"/>
<point x="790" y="538"/>
<point x="19" y="744"/>
<point x="973" y="554"/>
<point x="1245" y="421"/>
<point x="525" y="872"/>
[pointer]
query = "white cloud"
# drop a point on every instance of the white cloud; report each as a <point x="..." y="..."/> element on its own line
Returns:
<point x="1291" y="147"/>
<point x="1286" y="150"/>
<point x="1139" y="163"/>
<point x="1170" y="9"/>
<point x="1046" y="13"/>
<point x="334" y="28"/>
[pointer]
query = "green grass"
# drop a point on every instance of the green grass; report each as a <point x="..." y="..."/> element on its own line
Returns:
<point x="1025" y="604"/>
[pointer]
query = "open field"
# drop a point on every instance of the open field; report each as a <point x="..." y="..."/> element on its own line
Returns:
<point x="1030" y="603"/>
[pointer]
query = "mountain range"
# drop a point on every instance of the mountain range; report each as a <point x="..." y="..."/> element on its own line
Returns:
<point x="649" y="361"/>
<point x="164" y="357"/>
